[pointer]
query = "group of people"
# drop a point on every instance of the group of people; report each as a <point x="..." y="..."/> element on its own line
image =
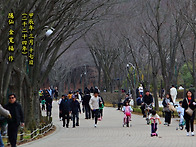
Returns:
<point x="46" y="97"/>
<point x="70" y="106"/>
<point x="185" y="108"/>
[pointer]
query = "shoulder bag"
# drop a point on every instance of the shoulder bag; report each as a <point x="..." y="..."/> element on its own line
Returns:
<point x="189" y="111"/>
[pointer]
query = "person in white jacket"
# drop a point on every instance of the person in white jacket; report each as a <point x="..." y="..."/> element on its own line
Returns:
<point x="7" y="114"/>
<point x="173" y="93"/>
<point x="94" y="103"/>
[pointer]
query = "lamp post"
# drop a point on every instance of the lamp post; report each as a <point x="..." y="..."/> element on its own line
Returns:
<point x="176" y="72"/>
<point x="83" y="75"/>
<point x="133" y="82"/>
<point x="133" y="70"/>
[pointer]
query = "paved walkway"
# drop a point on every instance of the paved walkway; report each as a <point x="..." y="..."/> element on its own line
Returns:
<point x="110" y="133"/>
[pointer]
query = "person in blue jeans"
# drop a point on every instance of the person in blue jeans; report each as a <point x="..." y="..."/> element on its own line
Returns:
<point x="7" y="114"/>
<point x="75" y="109"/>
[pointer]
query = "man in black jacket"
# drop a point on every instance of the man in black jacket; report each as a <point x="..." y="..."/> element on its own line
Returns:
<point x="75" y="109"/>
<point x="86" y="100"/>
<point x="48" y="104"/>
<point x="65" y="109"/>
<point x="147" y="99"/>
<point x="16" y="120"/>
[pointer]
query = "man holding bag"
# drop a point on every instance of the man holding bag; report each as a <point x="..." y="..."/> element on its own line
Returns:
<point x="189" y="105"/>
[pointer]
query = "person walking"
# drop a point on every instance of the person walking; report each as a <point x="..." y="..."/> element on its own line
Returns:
<point x="87" y="108"/>
<point x="17" y="119"/>
<point x="50" y="91"/>
<point x="4" y="113"/>
<point x="75" y="109"/>
<point x="173" y="93"/>
<point x="43" y="101"/>
<point x="56" y="93"/>
<point x="78" y="96"/>
<point x="189" y="104"/>
<point x="101" y="106"/>
<point x="65" y="110"/>
<point x="48" y="104"/>
<point x="166" y="102"/>
<point x="94" y="103"/>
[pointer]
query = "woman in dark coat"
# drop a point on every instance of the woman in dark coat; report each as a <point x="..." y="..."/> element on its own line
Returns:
<point x="189" y="102"/>
<point x="166" y="102"/>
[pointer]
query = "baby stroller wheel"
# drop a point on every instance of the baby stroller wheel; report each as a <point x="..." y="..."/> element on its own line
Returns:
<point x="181" y="127"/>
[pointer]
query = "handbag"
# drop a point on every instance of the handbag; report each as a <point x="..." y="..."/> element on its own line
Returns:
<point x="166" y="109"/>
<point x="189" y="111"/>
<point x="171" y="108"/>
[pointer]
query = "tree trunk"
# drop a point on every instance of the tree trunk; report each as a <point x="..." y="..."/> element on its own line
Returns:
<point x="155" y="92"/>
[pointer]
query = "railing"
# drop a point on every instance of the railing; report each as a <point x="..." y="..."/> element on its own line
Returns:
<point x="34" y="133"/>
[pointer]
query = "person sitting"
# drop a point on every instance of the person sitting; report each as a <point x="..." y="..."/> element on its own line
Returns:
<point x="127" y="99"/>
<point x="139" y="100"/>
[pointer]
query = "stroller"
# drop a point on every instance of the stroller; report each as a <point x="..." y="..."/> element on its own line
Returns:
<point x="181" y="116"/>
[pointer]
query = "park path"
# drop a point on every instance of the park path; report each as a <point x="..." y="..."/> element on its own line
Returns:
<point x="110" y="133"/>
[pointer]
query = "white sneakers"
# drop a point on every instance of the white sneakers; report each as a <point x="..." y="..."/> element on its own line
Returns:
<point x="95" y="125"/>
<point x="192" y="134"/>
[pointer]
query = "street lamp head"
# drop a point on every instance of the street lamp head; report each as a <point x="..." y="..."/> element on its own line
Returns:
<point x="49" y="32"/>
<point x="131" y="65"/>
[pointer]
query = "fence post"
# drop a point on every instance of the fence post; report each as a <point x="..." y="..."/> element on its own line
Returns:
<point x="21" y="136"/>
<point x="31" y="133"/>
<point x="35" y="133"/>
<point x="40" y="131"/>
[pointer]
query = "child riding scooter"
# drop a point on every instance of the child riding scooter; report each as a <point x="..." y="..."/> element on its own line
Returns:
<point x="154" y="118"/>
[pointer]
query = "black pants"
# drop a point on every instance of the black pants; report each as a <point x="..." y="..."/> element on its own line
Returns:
<point x="93" y="114"/>
<point x="142" y="108"/>
<point x="168" y="117"/>
<point x="120" y="105"/>
<point x="48" y="110"/>
<point x="12" y="133"/>
<point x="87" y="112"/>
<point x="65" y="116"/>
<point x="188" y="122"/>
<point x="101" y="112"/>
<point x="153" y="128"/>
<point x="75" y="117"/>
<point x="43" y="107"/>
<point x="96" y="115"/>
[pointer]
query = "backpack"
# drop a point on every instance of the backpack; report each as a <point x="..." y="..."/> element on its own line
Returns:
<point x="127" y="111"/>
